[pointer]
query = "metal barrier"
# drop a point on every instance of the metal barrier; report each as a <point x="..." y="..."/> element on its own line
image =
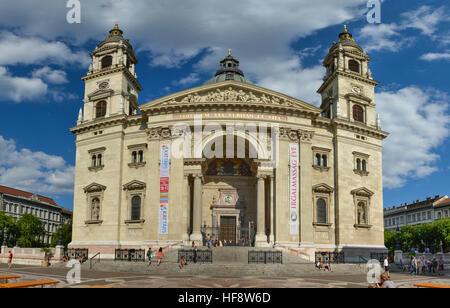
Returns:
<point x="380" y="256"/>
<point x="332" y="257"/>
<point x="74" y="253"/>
<point x="136" y="255"/>
<point x="195" y="256"/>
<point x="265" y="257"/>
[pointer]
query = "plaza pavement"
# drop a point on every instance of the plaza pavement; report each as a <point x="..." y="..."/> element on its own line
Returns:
<point x="181" y="280"/>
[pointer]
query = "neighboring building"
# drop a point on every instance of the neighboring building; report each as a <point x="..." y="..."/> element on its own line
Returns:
<point x="15" y="203"/>
<point x="324" y="192"/>
<point x="417" y="213"/>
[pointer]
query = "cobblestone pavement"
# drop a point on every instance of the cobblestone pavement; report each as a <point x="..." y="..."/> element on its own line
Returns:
<point x="136" y="280"/>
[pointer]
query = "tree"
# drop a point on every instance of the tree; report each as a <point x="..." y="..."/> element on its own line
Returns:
<point x="443" y="233"/>
<point x="12" y="231"/>
<point x="31" y="230"/>
<point x="66" y="237"/>
<point x="390" y="239"/>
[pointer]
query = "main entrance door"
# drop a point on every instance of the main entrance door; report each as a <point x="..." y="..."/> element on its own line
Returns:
<point x="228" y="229"/>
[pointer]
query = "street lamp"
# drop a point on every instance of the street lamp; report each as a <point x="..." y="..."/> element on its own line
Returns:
<point x="60" y="230"/>
<point x="4" y="236"/>
<point x="397" y="246"/>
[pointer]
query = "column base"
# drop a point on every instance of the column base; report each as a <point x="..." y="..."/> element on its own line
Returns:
<point x="261" y="240"/>
<point x="59" y="252"/>
<point x="197" y="238"/>
<point x="398" y="255"/>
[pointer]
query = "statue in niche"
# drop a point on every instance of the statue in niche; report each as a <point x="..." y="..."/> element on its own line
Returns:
<point x="361" y="214"/>
<point x="95" y="209"/>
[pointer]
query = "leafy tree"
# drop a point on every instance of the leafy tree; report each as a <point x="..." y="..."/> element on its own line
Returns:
<point x="66" y="237"/>
<point x="31" y="230"/>
<point x="390" y="239"/>
<point x="12" y="231"/>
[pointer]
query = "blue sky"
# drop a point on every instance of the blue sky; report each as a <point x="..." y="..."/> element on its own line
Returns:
<point x="280" y="45"/>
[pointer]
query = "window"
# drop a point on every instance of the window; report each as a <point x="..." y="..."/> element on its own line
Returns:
<point x="134" y="157"/>
<point x="439" y="215"/>
<point x="317" y="159"/>
<point x="361" y="163"/>
<point x="358" y="164"/>
<point x="100" y="109"/>
<point x="95" y="209"/>
<point x="321" y="211"/>
<point x="353" y="66"/>
<point x="137" y="155"/>
<point x="320" y="158"/>
<point x="364" y="165"/>
<point x="106" y="62"/>
<point x="136" y="208"/>
<point x="324" y="161"/>
<point x="362" y="214"/>
<point x="429" y="215"/>
<point x="96" y="159"/>
<point x="358" y="113"/>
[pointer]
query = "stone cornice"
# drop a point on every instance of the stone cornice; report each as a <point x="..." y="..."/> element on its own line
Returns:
<point x="359" y="128"/>
<point x="112" y="70"/>
<point x="346" y="74"/>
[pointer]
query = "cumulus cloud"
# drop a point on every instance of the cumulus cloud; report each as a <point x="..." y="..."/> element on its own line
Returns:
<point x="432" y="56"/>
<point x="36" y="172"/>
<point x="419" y="122"/>
<point x="51" y="75"/>
<point x="20" y="89"/>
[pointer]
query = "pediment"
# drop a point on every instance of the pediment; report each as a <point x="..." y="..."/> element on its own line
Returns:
<point x="230" y="93"/>
<point x="134" y="185"/>
<point x="94" y="187"/>
<point x="323" y="188"/>
<point x="363" y="192"/>
<point x="100" y="93"/>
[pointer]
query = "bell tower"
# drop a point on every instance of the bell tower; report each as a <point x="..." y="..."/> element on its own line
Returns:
<point x="111" y="85"/>
<point x="348" y="89"/>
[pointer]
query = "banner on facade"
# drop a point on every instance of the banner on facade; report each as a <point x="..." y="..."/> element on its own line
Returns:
<point x="164" y="189"/>
<point x="293" y="189"/>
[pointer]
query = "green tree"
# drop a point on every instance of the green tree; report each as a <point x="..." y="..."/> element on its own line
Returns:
<point x="442" y="230"/>
<point x="390" y="239"/>
<point x="31" y="230"/>
<point x="66" y="237"/>
<point x="12" y="231"/>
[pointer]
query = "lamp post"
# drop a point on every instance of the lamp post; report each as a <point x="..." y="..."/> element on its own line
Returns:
<point x="397" y="245"/>
<point x="398" y="254"/>
<point x="60" y="230"/>
<point x="4" y="236"/>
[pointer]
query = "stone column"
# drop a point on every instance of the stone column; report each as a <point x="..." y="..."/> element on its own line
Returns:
<point x="197" y="222"/>
<point x="187" y="198"/>
<point x="272" y="213"/>
<point x="261" y="237"/>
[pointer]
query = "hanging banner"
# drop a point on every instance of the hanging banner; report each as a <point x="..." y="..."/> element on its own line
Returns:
<point x="164" y="189"/>
<point x="293" y="189"/>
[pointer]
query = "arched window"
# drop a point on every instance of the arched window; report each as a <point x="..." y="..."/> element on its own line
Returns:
<point x="353" y="66"/>
<point x="358" y="164"/>
<point x="95" y="209"/>
<point x="358" y="113"/>
<point x="94" y="160"/>
<point x="100" y="109"/>
<point x="141" y="156"/>
<point x="317" y="159"/>
<point x="321" y="210"/>
<point x="324" y="161"/>
<point x="136" y="208"/>
<point x="106" y="62"/>
<point x="99" y="160"/>
<point x="364" y="165"/>
<point x="134" y="154"/>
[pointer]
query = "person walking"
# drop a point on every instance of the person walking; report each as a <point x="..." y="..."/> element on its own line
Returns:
<point x="160" y="255"/>
<point x="149" y="255"/>
<point x="10" y="257"/>
<point x="386" y="266"/>
<point x="182" y="262"/>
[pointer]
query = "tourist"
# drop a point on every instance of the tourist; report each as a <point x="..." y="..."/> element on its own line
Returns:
<point x="194" y="259"/>
<point x="386" y="283"/>
<point x="220" y="244"/>
<point x="160" y="255"/>
<point x="434" y="264"/>
<point x="386" y="266"/>
<point x="193" y="244"/>
<point x="429" y="266"/>
<point x="441" y="266"/>
<point x="182" y="262"/>
<point x="149" y="255"/>
<point x="230" y="243"/>
<point x="243" y="241"/>
<point x="10" y="257"/>
<point x="328" y="266"/>
<point x="224" y="243"/>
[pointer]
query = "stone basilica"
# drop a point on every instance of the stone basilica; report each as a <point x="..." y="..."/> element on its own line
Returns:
<point x="229" y="160"/>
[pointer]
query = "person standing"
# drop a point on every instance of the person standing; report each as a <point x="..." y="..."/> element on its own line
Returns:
<point x="160" y="255"/>
<point x="10" y="257"/>
<point x="149" y="255"/>
<point x="386" y="266"/>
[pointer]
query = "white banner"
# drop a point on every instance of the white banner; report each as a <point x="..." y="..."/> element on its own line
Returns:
<point x="293" y="189"/>
<point x="164" y="189"/>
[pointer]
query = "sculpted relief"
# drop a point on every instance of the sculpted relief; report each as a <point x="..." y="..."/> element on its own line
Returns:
<point x="230" y="95"/>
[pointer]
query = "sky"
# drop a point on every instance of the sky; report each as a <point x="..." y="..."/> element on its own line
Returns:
<point x="280" y="46"/>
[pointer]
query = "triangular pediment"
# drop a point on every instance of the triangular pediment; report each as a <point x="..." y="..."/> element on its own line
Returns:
<point x="230" y="93"/>
<point x="94" y="187"/>
<point x="364" y="192"/>
<point x="134" y="185"/>
<point x="323" y="188"/>
<point x="100" y="93"/>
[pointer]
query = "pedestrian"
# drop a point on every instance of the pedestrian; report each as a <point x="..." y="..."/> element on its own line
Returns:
<point x="441" y="266"/>
<point x="160" y="255"/>
<point x="230" y="243"/>
<point x="193" y="244"/>
<point x="220" y="244"/>
<point x="386" y="283"/>
<point x="182" y="262"/>
<point x="224" y="243"/>
<point x="386" y="266"/>
<point x="194" y="259"/>
<point x="10" y="257"/>
<point x="149" y="255"/>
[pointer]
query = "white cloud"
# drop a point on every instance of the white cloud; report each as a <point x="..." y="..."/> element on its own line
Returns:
<point x="432" y="56"/>
<point x="20" y="89"/>
<point x="36" y="172"/>
<point x="32" y="50"/>
<point x="418" y="122"/>
<point x="188" y="80"/>
<point x="50" y="75"/>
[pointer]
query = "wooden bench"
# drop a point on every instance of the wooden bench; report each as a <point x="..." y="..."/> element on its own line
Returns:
<point x="28" y="284"/>
<point x="432" y="285"/>
<point x="100" y="287"/>
<point x="6" y="277"/>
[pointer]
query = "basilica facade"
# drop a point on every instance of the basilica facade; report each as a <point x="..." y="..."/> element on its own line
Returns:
<point x="229" y="160"/>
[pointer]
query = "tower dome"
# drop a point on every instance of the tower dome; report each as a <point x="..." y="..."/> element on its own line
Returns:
<point x="229" y="70"/>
